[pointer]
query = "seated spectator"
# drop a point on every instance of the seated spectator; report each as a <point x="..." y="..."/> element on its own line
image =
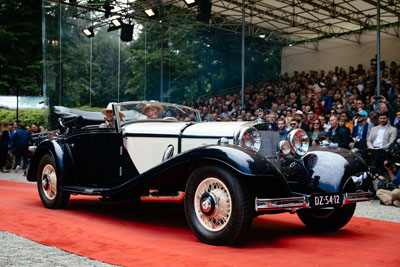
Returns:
<point x="282" y="131"/>
<point x="316" y="132"/>
<point x="295" y="123"/>
<point x="300" y="116"/>
<point x="383" y="135"/>
<point x="324" y="125"/>
<point x="390" y="194"/>
<point x="360" y="132"/>
<point x="337" y="135"/>
<point x="380" y="138"/>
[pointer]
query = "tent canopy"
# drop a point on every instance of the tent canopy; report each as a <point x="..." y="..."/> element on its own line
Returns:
<point x="285" y="21"/>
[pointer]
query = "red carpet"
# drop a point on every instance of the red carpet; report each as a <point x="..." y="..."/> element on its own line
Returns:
<point x="149" y="234"/>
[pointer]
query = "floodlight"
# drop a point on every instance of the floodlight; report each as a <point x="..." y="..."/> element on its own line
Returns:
<point x="88" y="32"/>
<point x="116" y="22"/>
<point x="150" y="12"/>
<point x="191" y="3"/>
<point x="115" y="25"/>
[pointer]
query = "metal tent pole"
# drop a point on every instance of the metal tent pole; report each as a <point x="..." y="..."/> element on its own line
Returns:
<point x="378" y="48"/>
<point x="243" y="44"/>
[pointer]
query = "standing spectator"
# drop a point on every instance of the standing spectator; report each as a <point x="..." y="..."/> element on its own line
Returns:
<point x="4" y="139"/>
<point x="337" y="136"/>
<point x="22" y="138"/>
<point x="12" y="131"/>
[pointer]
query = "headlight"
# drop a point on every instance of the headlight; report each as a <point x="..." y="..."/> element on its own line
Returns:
<point x="284" y="147"/>
<point x="299" y="142"/>
<point x="248" y="137"/>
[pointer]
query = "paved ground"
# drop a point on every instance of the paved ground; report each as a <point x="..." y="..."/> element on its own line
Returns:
<point x="18" y="251"/>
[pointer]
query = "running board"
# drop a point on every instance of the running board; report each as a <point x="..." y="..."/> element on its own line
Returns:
<point x="295" y="203"/>
<point x="81" y="190"/>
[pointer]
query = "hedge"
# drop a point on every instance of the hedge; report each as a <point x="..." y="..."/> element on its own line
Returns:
<point x="27" y="116"/>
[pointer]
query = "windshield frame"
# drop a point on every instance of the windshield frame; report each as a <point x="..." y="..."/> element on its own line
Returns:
<point x="118" y="107"/>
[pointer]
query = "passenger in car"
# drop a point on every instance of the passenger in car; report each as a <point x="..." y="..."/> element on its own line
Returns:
<point x="152" y="111"/>
<point x="109" y="117"/>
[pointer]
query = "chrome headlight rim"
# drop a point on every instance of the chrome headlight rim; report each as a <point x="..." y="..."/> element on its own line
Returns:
<point x="299" y="142"/>
<point x="246" y="132"/>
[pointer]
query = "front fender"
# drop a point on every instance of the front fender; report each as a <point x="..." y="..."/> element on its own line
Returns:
<point x="54" y="147"/>
<point x="335" y="167"/>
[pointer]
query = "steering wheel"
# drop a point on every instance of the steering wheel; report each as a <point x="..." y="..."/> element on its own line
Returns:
<point x="170" y="119"/>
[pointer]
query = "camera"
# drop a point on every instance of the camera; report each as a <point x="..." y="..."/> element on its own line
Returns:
<point x="378" y="97"/>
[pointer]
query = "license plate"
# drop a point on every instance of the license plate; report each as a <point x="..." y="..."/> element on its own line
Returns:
<point x="325" y="200"/>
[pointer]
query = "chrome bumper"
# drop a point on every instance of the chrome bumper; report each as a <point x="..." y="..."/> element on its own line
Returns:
<point x="295" y="203"/>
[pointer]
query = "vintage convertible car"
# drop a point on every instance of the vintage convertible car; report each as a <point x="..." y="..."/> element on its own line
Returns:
<point x="219" y="170"/>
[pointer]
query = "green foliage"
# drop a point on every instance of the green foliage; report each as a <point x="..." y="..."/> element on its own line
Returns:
<point x="20" y="45"/>
<point x="27" y="116"/>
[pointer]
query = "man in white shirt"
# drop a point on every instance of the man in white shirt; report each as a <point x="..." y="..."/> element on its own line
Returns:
<point x="383" y="135"/>
<point x="380" y="138"/>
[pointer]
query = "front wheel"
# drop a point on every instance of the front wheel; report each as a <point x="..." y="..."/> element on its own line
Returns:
<point x="325" y="219"/>
<point x="48" y="182"/>
<point x="218" y="206"/>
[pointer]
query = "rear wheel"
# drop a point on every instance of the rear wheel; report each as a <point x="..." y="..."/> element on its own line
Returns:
<point x="48" y="182"/>
<point x="218" y="206"/>
<point x="325" y="219"/>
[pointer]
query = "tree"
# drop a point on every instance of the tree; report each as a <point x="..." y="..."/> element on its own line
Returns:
<point x="20" y="46"/>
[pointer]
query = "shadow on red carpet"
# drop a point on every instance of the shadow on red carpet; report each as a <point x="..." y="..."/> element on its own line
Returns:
<point x="128" y="234"/>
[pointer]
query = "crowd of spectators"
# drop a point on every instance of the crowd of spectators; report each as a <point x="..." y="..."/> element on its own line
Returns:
<point x="314" y="101"/>
<point x="15" y="139"/>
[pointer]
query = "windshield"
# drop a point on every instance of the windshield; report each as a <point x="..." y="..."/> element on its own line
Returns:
<point x="152" y="110"/>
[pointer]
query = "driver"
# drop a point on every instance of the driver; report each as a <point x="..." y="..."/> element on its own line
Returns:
<point x="152" y="111"/>
<point x="109" y="117"/>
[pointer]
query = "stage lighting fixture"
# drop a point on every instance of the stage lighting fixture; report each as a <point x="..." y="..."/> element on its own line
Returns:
<point x="115" y="25"/>
<point x="191" y="3"/>
<point x="116" y="22"/>
<point x="204" y="10"/>
<point x="126" y="32"/>
<point x="150" y="12"/>
<point x="88" y="32"/>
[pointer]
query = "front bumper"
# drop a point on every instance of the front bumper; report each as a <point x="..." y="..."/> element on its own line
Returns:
<point x="294" y="203"/>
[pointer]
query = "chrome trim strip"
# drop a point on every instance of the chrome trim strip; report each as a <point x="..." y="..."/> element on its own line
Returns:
<point x="295" y="203"/>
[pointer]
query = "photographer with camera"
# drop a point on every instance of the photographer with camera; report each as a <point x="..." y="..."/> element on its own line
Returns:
<point x="390" y="193"/>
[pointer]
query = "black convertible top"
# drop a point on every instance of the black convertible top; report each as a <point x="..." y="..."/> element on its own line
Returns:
<point x="88" y="117"/>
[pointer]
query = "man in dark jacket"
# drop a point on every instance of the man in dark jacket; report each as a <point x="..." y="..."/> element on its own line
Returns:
<point x="360" y="132"/>
<point x="337" y="136"/>
<point x="21" y="139"/>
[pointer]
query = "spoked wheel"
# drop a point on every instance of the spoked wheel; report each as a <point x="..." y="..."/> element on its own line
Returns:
<point x="218" y="207"/>
<point x="48" y="182"/>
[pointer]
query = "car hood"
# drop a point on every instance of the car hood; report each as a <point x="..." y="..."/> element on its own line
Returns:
<point x="217" y="129"/>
